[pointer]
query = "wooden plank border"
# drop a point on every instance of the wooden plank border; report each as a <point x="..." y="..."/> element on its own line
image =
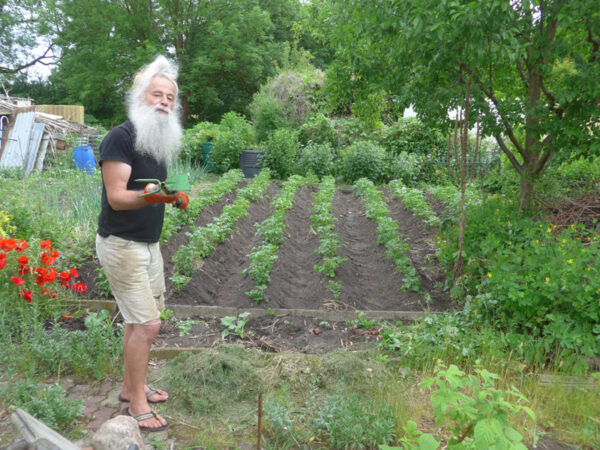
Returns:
<point x="182" y="311"/>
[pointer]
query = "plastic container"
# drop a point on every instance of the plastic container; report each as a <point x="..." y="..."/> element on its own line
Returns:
<point x="83" y="155"/>
<point x="251" y="162"/>
<point x="206" y="148"/>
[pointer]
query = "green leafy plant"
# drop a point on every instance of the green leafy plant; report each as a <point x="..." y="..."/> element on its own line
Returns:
<point x="347" y="422"/>
<point x="46" y="403"/>
<point x="235" y="325"/>
<point x="317" y="159"/>
<point x="364" y="159"/>
<point x="473" y="410"/>
<point x="414" y="199"/>
<point x="280" y="150"/>
<point x="184" y="327"/>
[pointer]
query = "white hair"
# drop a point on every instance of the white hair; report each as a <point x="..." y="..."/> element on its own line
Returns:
<point x="157" y="135"/>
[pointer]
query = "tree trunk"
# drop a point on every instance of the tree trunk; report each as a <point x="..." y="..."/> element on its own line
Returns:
<point x="458" y="267"/>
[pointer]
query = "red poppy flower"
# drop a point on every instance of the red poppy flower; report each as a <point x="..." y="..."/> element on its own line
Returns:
<point x="74" y="273"/>
<point x="46" y="245"/>
<point x="8" y="244"/>
<point x="21" y="246"/>
<point x="46" y="291"/>
<point x="49" y="257"/>
<point x="63" y="318"/>
<point x="26" y="295"/>
<point x="64" y="279"/>
<point x="80" y="287"/>
<point x="17" y="280"/>
<point x="50" y="275"/>
<point x="23" y="260"/>
<point x="2" y="255"/>
<point x="23" y="270"/>
<point x="2" y="263"/>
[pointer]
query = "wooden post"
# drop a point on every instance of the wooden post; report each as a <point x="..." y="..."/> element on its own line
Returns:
<point x="259" y="431"/>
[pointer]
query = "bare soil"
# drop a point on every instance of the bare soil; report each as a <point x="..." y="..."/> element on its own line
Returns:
<point x="369" y="280"/>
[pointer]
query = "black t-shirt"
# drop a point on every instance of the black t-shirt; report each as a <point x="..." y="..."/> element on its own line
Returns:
<point x="141" y="225"/>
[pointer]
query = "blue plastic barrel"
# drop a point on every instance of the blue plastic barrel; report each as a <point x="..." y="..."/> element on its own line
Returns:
<point x="83" y="155"/>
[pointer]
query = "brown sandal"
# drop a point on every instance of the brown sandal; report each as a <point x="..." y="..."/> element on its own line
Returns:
<point x="145" y="416"/>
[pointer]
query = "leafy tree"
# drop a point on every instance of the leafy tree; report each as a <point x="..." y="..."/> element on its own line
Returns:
<point x="535" y="67"/>
<point x="225" y="48"/>
<point x="21" y="33"/>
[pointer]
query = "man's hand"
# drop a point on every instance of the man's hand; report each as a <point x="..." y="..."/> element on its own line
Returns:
<point x="179" y="199"/>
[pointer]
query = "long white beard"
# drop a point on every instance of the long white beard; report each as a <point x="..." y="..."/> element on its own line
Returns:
<point x="157" y="134"/>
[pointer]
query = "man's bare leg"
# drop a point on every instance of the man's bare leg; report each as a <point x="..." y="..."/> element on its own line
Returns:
<point x="125" y="395"/>
<point x="136" y="354"/>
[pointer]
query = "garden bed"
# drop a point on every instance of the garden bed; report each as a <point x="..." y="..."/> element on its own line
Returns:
<point x="297" y="293"/>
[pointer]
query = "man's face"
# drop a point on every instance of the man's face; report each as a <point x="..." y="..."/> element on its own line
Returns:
<point x="161" y="92"/>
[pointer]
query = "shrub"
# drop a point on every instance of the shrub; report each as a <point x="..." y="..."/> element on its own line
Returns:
<point x="317" y="159"/>
<point x="536" y="280"/>
<point x="46" y="403"/>
<point x="280" y="152"/>
<point x="195" y="137"/>
<point x="347" y="422"/>
<point x="318" y="130"/>
<point x="405" y="167"/>
<point x="364" y="159"/>
<point x="410" y="135"/>
<point x="267" y="115"/>
<point x="235" y="134"/>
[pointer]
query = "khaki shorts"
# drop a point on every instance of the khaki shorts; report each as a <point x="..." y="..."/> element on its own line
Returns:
<point x="135" y="273"/>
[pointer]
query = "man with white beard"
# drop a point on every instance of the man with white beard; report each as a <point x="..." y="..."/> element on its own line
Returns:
<point x="129" y="225"/>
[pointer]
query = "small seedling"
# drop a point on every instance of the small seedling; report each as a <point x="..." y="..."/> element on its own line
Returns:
<point x="166" y="314"/>
<point x="185" y="326"/>
<point x="234" y="325"/>
<point x="362" y="322"/>
<point x="324" y="324"/>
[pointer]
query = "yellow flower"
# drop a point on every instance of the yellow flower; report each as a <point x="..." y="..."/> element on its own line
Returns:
<point x="483" y="343"/>
<point x="570" y="261"/>
<point x="549" y="230"/>
<point x="537" y="241"/>
<point x="547" y="279"/>
<point x="564" y="241"/>
<point x="489" y="275"/>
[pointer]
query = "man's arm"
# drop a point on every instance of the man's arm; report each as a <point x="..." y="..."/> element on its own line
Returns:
<point x="115" y="175"/>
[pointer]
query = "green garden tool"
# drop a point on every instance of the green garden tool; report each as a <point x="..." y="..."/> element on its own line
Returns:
<point x="169" y="186"/>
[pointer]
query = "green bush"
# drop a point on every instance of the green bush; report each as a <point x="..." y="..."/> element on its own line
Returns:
<point x="195" y="137"/>
<point x="410" y="135"/>
<point x="280" y="152"/>
<point x="235" y="134"/>
<point x="527" y="277"/>
<point x="318" y="130"/>
<point x="364" y="159"/>
<point x="347" y="422"/>
<point x="317" y="159"/>
<point x="46" y="403"/>
<point x="267" y="115"/>
<point x="351" y="129"/>
<point x="405" y="167"/>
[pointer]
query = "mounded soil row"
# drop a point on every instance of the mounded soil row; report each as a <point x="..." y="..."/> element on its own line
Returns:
<point x="369" y="280"/>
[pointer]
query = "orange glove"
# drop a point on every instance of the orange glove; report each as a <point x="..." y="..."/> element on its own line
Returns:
<point x="179" y="199"/>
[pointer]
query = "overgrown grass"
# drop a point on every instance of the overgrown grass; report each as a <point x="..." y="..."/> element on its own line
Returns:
<point x="355" y="400"/>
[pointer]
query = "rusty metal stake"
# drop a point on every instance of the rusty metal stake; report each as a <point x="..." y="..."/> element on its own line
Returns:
<point x="260" y="413"/>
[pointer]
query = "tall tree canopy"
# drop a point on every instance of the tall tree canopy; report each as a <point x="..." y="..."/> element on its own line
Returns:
<point x="21" y="36"/>
<point x="535" y="66"/>
<point x="226" y="49"/>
